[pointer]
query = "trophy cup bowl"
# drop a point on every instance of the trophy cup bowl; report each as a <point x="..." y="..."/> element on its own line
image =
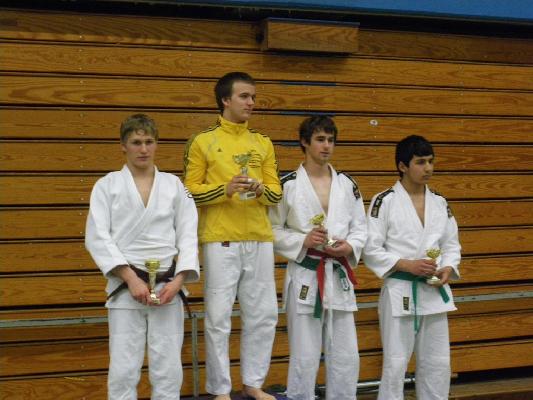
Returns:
<point x="242" y="160"/>
<point x="318" y="221"/>
<point x="433" y="254"/>
<point x="152" y="266"/>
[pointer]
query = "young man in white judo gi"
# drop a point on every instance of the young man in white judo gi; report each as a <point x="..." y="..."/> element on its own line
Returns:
<point x="319" y="285"/>
<point x="413" y="236"/>
<point x="136" y="215"/>
<point x="236" y="235"/>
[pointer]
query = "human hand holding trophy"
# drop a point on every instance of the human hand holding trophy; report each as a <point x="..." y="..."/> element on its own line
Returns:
<point x="433" y="254"/>
<point x="318" y="221"/>
<point x="152" y="266"/>
<point x="242" y="160"/>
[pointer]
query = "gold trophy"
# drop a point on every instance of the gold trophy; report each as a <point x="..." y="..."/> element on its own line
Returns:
<point x="433" y="254"/>
<point x="318" y="221"/>
<point x="152" y="266"/>
<point x="242" y="160"/>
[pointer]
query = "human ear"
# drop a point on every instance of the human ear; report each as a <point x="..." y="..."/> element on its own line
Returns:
<point x="402" y="167"/>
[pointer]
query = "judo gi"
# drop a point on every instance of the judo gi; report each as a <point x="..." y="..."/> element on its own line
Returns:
<point x="335" y="330"/>
<point x="121" y="230"/>
<point x="412" y="317"/>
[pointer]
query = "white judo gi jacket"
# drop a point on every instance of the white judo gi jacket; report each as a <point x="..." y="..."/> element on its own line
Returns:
<point x="396" y="232"/>
<point x="121" y="230"/>
<point x="291" y="222"/>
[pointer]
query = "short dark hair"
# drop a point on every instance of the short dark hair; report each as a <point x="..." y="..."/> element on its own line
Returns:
<point x="411" y="146"/>
<point x="224" y="86"/>
<point x="316" y="123"/>
<point x="135" y="123"/>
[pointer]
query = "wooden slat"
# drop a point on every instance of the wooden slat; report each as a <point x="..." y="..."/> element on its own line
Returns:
<point x="93" y="385"/>
<point x="70" y="223"/>
<point x="175" y="125"/>
<point x="448" y="158"/>
<point x="489" y="241"/>
<point x="494" y="213"/>
<point x="445" y="47"/>
<point x="500" y="389"/>
<point x="87" y="28"/>
<point x="45" y="358"/>
<point x="82" y="288"/>
<point x="81" y="312"/>
<point x="51" y="256"/>
<point x="492" y="356"/>
<point x="76" y="189"/>
<point x="45" y="257"/>
<point x="25" y="57"/>
<point x="52" y="189"/>
<point x="90" y="156"/>
<point x="60" y="223"/>
<point x="88" y="288"/>
<point x="505" y="287"/>
<point x="490" y="327"/>
<point x="91" y="330"/>
<point x="114" y="29"/>
<point x="89" y="91"/>
<point x="496" y="269"/>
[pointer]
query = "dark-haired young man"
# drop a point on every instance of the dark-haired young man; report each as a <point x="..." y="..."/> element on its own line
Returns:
<point x="413" y="236"/>
<point x="139" y="214"/>
<point x="319" y="284"/>
<point x="236" y="235"/>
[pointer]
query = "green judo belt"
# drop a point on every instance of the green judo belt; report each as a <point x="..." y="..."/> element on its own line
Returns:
<point x="407" y="276"/>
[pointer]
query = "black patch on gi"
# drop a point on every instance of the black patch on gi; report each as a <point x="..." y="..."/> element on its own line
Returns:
<point x="406" y="303"/>
<point x="289" y="177"/>
<point x="448" y="209"/>
<point x="355" y="189"/>
<point x="187" y="193"/>
<point x="303" y="292"/>
<point x="379" y="200"/>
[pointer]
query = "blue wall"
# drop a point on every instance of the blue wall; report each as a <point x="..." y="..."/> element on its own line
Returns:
<point x="492" y="10"/>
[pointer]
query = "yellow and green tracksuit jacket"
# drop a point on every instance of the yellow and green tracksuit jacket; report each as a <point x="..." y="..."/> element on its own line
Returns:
<point x="209" y="167"/>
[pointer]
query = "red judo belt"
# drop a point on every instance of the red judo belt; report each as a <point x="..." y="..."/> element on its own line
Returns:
<point x="315" y="260"/>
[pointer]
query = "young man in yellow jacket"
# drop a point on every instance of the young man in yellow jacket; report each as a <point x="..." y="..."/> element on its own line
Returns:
<point x="232" y="173"/>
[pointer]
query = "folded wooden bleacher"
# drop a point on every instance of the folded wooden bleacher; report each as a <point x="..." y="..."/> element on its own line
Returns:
<point x="67" y="81"/>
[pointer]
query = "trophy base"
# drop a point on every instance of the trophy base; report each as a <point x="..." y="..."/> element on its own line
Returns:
<point x="433" y="281"/>
<point x="331" y="243"/>
<point x="247" y="195"/>
<point x="155" y="299"/>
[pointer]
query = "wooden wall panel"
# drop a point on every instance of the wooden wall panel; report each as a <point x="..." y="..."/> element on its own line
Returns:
<point x="82" y="124"/>
<point x="33" y="359"/>
<point x="188" y="63"/>
<point x="69" y="79"/>
<point x="70" y="223"/>
<point x="81" y="288"/>
<point x="70" y="255"/>
<point x="87" y="28"/>
<point x="128" y="92"/>
<point x="76" y="189"/>
<point x="53" y="156"/>
<point x="113" y="29"/>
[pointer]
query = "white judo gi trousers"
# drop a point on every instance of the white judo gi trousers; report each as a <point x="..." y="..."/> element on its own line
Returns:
<point x="130" y="330"/>
<point x="307" y="336"/>
<point x="432" y="349"/>
<point x="246" y="270"/>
